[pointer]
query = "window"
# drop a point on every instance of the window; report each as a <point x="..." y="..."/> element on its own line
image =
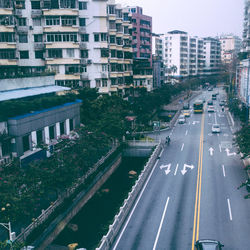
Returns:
<point x="62" y="128"/>
<point x="84" y="68"/>
<point x="103" y="37"/>
<point x="23" y="38"/>
<point x="68" y="20"/>
<point x="82" y="21"/>
<point x="98" y="83"/>
<point x="104" y="67"/>
<point x="7" y="37"/>
<point x="61" y="37"/>
<point x="39" y="54"/>
<point x="71" y="124"/>
<point x="54" y="68"/>
<point x="35" y="5"/>
<point x="72" y="69"/>
<point x="82" y="5"/>
<point x="104" y="53"/>
<point x="84" y="53"/>
<point x="55" y="20"/>
<point x="39" y="136"/>
<point x="36" y="21"/>
<point x="96" y="37"/>
<point x="113" y="53"/>
<point x="52" y="132"/>
<point x="68" y="4"/>
<point x="26" y="143"/>
<point x="112" y="39"/>
<point x="24" y="54"/>
<point x="22" y="21"/>
<point x="7" y="54"/>
<point x="55" y="53"/>
<point x="104" y="82"/>
<point x="20" y="4"/>
<point x="38" y="38"/>
<point x="85" y="37"/>
<point x="70" y="52"/>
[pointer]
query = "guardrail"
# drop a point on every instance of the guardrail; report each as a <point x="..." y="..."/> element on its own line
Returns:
<point x="109" y="238"/>
<point x="46" y="213"/>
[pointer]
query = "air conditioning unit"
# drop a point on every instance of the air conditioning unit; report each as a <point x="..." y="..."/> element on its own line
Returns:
<point x="89" y="61"/>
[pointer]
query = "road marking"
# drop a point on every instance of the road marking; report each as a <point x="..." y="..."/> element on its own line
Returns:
<point x="198" y="188"/>
<point x="211" y="151"/>
<point x="131" y="213"/>
<point x="175" y="172"/>
<point x="228" y="152"/>
<point x="184" y="170"/>
<point x="168" y="168"/>
<point x="162" y="219"/>
<point x="182" y="146"/>
<point x="229" y="209"/>
<point x="220" y="147"/>
<point x="215" y="118"/>
<point x="186" y="132"/>
<point x="218" y="134"/>
<point x="161" y="153"/>
<point x="223" y="169"/>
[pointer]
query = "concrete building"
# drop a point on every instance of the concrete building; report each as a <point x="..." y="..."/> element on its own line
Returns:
<point x="246" y="30"/>
<point x="230" y="47"/>
<point x="158" y="72"/>
<point x="142" y="48"/>
<point x="212" y="56"/>
<point x="157" y="45"/>
<point x="20" y="136"/>
<point x="70" y="38"/>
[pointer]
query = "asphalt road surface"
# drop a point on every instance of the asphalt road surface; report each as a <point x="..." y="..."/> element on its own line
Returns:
<point x="191" y="192"/>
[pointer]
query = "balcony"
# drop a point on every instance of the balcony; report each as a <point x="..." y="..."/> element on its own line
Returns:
<point x="6" y="11"/>
<point x="8" y="45"/>
<point x="23" y="29"/>
<point x="61" y="12"/>
<point x="39" y="46"/>
<point x="36" y="13"/>
<point x="83" y="45"/>
<point x="8" y="62"/>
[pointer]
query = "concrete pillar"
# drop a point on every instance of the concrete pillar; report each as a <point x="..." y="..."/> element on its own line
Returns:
<point x="46" y="135"/>
<point x="57" y="130"/>
<point x="33" y="140"/>
<point x="67" y="127"/>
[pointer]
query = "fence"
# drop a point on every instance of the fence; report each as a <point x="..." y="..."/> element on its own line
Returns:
<point x="109" y="238"/>
<point x="46" y="213"/>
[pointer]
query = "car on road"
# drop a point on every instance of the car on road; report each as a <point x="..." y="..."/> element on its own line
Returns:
<point x="210" y="109"/>
<point x="208" y="245"/>
<point x="181" y="119"/>
<point x="210" y="102"/>
<point x="216" y="128"/>
<point x="186" y="113"/>
<point x="186" y="106"/>
<point x="210" y="89"/>
<point x="222" y="103"/>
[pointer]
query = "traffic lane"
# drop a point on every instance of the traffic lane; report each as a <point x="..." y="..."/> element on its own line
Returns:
<point x="135" y="236"/>
<point x="217" y="198"/>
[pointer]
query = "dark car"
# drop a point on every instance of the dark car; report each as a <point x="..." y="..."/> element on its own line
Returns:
<point x="210" y="102"/>
<point x="208" y="245"/>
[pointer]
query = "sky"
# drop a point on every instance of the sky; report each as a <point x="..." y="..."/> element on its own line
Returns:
<point x="200" y="18"/>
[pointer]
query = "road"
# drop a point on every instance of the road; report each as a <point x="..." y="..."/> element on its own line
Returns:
<point x="191" y="192"/>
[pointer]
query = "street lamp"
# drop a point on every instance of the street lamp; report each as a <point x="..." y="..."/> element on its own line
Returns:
<point x="8" y="227"/>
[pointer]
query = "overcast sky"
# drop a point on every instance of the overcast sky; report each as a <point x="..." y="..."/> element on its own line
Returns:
<point x="197" y="17"/>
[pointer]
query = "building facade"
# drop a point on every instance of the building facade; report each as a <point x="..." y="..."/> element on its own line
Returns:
<point x="230" y="47"/>
<point x="86" y="43"/>
<point x="212" y="53"/>
<point x="142" y="48"/>
<point x="246" y="31"/>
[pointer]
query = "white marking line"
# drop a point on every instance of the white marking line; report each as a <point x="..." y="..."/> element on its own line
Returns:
<point x="182" y="146"/>
<point x="229" y="209"/>
<point x="220" y="147"/>
<point x="186" y="132"/>
<point x="161" y="153"/>
<point x="215" y="118"/>
<point x="162" y="218"/>
<point x="175" y="172"/>
<point x="119" y="238"/>
<point x="223" y="169"/>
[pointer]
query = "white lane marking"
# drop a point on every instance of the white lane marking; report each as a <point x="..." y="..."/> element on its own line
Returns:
<point x="184" y="170"/>
<point x="161" y="153"/>
<point x="218" y="134"/>
<point x="229" y="209"/>
<point x="220" y="147"/>
<point x="223" y="169"/>
<point x="162" y="219"/>
<point x="215" y="118"/>
<point x="125" y="226"/>
<point x="211" y="151"/>
<point x="186" y="132"/>
<point x="175" y="172"/>
<point x="182" y="146"/>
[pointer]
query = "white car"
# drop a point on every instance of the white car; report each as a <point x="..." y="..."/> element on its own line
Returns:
<point x="181" y="119"/>
<point x="210" y="109"/>
<point x="215" y="128"/>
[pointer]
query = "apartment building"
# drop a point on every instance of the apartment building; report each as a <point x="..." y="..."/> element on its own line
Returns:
<point x="212" y="56"/>
<point x="86" y="43"/>
<point x="157" y="45"/>
<point x="230" y="47"/>
<point x="246" y="31"/>
<point x="142" y="48"/>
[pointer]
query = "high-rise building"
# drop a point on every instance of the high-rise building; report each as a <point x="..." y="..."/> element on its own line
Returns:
<point x="212" y="56"/>
<point x="86" y="43"/>
<point x="246" y="31"/>
<point x="230" y="47"/>
<point x="142" y="48"/>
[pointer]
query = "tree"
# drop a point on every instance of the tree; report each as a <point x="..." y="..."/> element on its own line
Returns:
<point x="243" y="141"/>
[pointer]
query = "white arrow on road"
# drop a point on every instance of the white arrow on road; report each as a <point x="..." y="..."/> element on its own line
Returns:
<point x="194" y="122"/>
<point x="168" y="168"/>
<point x="184" y="170"/>
<point x="228" y="152"/>
<point x="211" y="151"/>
